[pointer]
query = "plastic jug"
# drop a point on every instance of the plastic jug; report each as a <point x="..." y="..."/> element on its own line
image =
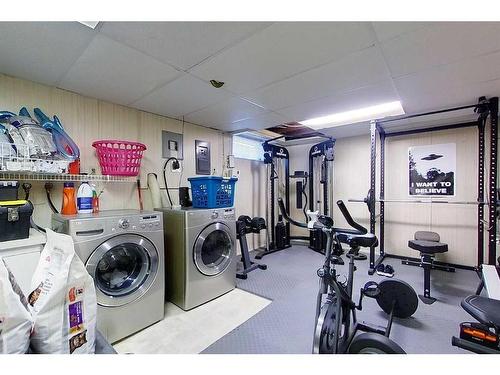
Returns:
<point x="69" y="199"/>
<point x="84" y="198"/>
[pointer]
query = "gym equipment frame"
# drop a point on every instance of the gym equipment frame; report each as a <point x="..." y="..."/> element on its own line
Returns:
<point x="322" y="154"/>
<point x="485" y="108"/>
<point x="272" y="155"/>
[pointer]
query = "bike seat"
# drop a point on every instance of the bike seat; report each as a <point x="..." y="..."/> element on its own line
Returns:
<point x="355" y="240"/>
<point x="485" y="310"/>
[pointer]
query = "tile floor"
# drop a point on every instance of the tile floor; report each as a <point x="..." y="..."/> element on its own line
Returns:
<point x="190" y="332"/>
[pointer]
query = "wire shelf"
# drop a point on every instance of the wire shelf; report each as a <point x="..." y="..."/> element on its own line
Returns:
<point x="59" y="177"/>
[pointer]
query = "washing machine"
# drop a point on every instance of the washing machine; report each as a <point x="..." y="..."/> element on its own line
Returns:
<point x="123" y="250"/>
<point x="200" y="254"/>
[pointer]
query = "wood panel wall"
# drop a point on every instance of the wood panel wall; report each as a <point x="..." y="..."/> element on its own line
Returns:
<point x="87" y="119"/>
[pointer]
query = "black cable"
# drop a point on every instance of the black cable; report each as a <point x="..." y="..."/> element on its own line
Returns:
<point x="26" y="188"/>
<point x="176" y="166"/>
<point x="304" y="208"/>
<point x="48" y="187"/>
<point x="34" y="225"/>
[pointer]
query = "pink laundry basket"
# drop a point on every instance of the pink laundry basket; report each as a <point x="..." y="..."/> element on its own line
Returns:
<point x="119" y="158"/>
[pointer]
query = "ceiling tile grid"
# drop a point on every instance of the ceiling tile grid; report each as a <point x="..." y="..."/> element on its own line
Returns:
<point x="108" y="69"/>
<point x="283" y="50"/>
<point x="273" y="72"/>
<point x="441" y="44"/>
<point x="181" y="44"/>
<point x="182" y="96"/>
<point x="359" y="69"/>
<point x="346" y="101"/>
<point x="41" y="51"/>
<point x="226" y="112"/>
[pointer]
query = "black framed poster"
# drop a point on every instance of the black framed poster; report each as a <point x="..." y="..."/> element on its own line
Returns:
<point x="432" y="170"/>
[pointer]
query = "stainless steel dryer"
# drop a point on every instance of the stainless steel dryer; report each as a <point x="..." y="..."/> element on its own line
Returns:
<point x="200" y="256"/>
<point x="123" y="251"/>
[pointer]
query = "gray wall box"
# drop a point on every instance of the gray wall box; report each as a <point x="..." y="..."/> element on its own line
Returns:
<point x="171" y="145"/>
<point x="202" y="154"/>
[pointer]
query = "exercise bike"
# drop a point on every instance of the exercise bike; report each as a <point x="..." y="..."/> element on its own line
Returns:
<point x="482" y="337"/>
<point x="336" y="325"/>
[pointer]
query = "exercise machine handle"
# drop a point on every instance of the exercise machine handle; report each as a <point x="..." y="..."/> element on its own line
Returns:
<point x="349" y="218"/>
<point x="288" y="218"/>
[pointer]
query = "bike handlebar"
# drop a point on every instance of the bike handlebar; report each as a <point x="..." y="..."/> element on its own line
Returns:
<point x="349" y="218"/>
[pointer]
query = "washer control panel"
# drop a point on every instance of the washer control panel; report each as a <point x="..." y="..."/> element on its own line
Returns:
<point x="149" y="222"/>
<point x="229" y="214"/>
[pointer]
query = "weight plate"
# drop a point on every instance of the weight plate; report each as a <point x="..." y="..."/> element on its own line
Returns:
<point x="399" y="293"/>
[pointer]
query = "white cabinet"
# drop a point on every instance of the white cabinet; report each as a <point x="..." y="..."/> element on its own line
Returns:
<point x="21" y="256"/>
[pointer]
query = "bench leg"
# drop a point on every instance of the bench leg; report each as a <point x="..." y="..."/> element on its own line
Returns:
<point x="427" y="266"/>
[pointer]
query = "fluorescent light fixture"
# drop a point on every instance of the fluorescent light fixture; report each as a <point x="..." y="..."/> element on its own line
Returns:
<point x="356" y="115"/>
<point x="91" y="24"/>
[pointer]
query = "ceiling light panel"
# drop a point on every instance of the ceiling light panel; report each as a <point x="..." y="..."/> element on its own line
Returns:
<point x="358" y="115"/>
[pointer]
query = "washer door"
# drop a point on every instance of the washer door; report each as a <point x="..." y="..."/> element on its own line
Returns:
<point x="213" y="249"/>
<point x="123" y="269"/>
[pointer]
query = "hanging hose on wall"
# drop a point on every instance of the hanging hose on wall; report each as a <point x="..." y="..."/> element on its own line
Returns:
<point x="27" y="188"/>
<point x="48" y="187"/>
<point x="175" y="165"/>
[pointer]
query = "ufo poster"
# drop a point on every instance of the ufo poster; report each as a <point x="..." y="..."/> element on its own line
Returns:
<point x="431" y="170"/>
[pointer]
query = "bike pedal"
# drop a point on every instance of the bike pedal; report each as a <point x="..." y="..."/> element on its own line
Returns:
<point x="370" y="289"/>
<point x="337" y="260"/>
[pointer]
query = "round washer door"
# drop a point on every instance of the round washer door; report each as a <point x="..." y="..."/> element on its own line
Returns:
<point x="123" y="269"/>
<point x="213" y="249"/>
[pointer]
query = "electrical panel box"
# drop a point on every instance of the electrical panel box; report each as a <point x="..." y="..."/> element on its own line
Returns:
<point x="171" y="145"/>
<point x="202" y="155"/>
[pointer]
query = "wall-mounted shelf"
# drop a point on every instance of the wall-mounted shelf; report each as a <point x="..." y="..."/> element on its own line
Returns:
<point x="57" y="177"/>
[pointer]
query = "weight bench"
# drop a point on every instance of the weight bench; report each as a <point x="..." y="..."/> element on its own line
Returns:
<point x="428" y="243"/>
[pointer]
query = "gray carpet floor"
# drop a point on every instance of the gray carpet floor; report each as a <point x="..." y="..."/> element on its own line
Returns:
<point x="286" y="325"/>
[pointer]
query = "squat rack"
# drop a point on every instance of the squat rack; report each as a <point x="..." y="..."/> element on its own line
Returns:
<point x="484" y="108"/>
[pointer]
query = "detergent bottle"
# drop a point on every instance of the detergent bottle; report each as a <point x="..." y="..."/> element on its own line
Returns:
<point x="69" y="199"/>
<point x="84" y="198"/>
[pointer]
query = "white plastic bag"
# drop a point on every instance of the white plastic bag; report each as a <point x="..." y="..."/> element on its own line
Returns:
<point x="15" y="318"/>
<point x="63" y="300"/>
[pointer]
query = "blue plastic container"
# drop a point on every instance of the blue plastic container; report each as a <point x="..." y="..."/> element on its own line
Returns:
<point x="212" y="191"/>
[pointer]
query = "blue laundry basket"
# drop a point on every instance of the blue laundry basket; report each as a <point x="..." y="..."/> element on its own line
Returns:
<point x="212" y="191"/>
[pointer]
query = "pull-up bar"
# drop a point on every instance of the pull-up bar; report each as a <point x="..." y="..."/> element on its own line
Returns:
<point x="417" y="201"/>
<point x="482" y="104"/>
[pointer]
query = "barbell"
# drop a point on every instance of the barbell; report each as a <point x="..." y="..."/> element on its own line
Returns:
<point x="370" y="199"/>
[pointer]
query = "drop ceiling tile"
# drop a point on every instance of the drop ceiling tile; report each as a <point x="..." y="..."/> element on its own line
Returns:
<point x="389" y="30"/>
<point x="182" y="44"/>
<point x="449" y="96"/>
<point x="262" y="121"/>
<point x="228" y="111"/>
<point x="41" y="51"/>
<point x="442" y="44"/>
<point x="111" y="71"/>
<point x="184" y="95"/>
<point x="282" y="50"/>
<point x="345" y="131"/>
<point x="355" y="99"/>
<point x="448" y="84"/>
<point x="359" y="69"/>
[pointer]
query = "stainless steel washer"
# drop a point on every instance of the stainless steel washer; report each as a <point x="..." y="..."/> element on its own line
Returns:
<point x="124" y="253"/>
<point x="200" y="256"/>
